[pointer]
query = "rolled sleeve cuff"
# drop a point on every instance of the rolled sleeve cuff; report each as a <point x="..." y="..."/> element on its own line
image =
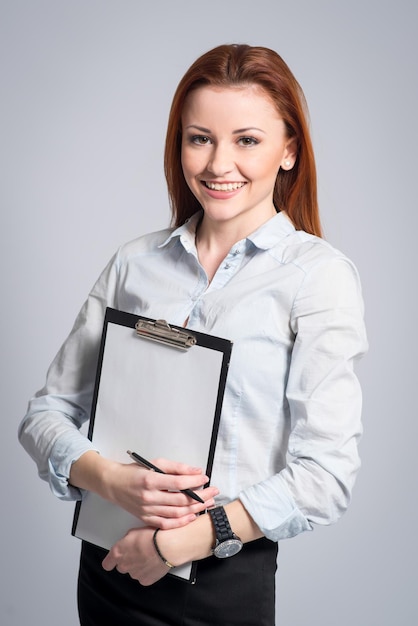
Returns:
<point x="274" y="510"/>
<point x="66" y="451"/>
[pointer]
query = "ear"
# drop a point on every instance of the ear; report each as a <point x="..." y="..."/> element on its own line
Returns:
<point x="289" y="155"/>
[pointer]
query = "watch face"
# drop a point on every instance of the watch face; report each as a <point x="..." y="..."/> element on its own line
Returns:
<point x="227" y="548"/>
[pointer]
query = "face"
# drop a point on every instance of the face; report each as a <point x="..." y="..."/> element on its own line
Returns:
<point x="234" y="142"/>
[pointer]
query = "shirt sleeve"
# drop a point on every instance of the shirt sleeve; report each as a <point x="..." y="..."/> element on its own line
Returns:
<point x="324" y="402"/>
<point x="50" y="430"/>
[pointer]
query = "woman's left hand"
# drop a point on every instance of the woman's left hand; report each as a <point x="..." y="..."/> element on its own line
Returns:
<point x="135" y="555"/>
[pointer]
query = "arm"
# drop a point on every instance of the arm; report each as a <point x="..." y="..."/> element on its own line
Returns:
<point x="50" y="432"/>
<point x="324" y="404"/>
<point x="154" y="498"/>
<point x="135" y="553"/>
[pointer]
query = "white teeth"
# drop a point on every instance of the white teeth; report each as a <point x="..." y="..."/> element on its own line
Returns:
<point x="224" y="186"/>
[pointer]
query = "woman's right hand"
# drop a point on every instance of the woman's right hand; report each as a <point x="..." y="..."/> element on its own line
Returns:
<point x="154" y="498"/>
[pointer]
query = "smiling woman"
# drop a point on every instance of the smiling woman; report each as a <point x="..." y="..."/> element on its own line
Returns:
<point x="243" y="260"/>
<point x="264" y="72"/>
<point x="237" y="159"/>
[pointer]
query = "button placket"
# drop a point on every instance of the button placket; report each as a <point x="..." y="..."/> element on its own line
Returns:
<point x="231" y="259"/>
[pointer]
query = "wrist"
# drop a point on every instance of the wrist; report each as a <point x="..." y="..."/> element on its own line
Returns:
<point x="196" y="540"/>
<point x="158" y="551"/>
<point x="192" y="542"/>
<point x="227" y="542"/>
<point x="93" y="472"/>
<point x="106" y="485"/>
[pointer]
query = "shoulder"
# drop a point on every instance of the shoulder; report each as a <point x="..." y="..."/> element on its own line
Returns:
<point x="148" y="244"/>
<point x="329" y="279"/>
<point x="316" y="259"/>
<point x="324" y="271"/>
<point x="308" y="251"/>
<point x="288" y="246"/>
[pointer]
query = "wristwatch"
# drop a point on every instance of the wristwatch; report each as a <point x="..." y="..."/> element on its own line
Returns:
<point x="227" y="543"/>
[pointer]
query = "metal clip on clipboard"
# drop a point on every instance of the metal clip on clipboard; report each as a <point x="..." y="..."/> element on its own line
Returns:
<point x="162" y="332"/>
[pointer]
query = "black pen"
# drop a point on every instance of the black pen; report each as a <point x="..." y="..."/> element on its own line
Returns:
<point x="141" y="461"/>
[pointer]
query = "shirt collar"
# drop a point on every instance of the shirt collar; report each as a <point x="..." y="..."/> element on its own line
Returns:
<point x="271" y="232"/>
<point x="186" y="232"/>
<point x="267" y="236"/>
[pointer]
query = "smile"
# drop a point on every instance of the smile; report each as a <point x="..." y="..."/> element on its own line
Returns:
<point x="223" y="186"/>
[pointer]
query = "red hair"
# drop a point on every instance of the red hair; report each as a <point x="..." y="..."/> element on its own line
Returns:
<point x="239" y="65"/>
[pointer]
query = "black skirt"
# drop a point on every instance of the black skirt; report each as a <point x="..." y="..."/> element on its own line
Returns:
<point x="238" y="591"/>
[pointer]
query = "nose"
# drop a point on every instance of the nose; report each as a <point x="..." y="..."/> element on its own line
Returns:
<point x="221" y="160"/>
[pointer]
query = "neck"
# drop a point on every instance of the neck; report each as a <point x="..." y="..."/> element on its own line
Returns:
<point x="211" y="251"/>
<point x="215" y="234"/>
<point x="214" y="240"/>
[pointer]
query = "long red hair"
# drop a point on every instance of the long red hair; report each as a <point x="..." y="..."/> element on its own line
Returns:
<point x="235" y="65"/>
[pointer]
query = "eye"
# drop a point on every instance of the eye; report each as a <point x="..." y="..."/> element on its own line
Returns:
<point x="247" y="141"/>
<point x="200" y="140"/>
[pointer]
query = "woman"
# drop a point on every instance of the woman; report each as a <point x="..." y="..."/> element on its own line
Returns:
<point x="244" y="260"/>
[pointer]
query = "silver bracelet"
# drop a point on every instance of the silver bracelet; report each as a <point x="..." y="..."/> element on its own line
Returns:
<point x="154" y="539"/>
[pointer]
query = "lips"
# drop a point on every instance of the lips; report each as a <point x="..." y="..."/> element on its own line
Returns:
<point x="223" y="186"/>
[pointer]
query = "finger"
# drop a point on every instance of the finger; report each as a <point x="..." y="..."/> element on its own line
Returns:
<point x="109" y="562"/>
<point x="208" y="494"/>
<point x="177" y="499"/>
<point x="176" y="467"/>
<point x="173" y="482"/>
<point x="168" y="523"/>
<point x="173" y="517"/>
<point x="174" y="512"/>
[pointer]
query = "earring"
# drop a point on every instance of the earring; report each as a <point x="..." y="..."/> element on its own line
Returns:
<point x="287" y="163"/>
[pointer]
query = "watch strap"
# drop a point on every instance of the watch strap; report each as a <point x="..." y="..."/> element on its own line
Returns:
<point x="223" y="530"/>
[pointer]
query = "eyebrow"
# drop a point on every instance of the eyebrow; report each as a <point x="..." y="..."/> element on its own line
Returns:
<point x="245" y="130"/>
<point x="234" y="132"/>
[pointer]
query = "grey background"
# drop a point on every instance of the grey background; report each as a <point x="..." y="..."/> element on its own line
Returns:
<point x="86" y="87"/>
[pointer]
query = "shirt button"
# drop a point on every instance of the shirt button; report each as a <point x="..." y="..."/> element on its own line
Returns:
<point x="227" y="266"/>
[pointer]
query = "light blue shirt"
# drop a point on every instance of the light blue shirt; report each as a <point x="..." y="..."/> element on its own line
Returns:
<point x="290" y="422"/>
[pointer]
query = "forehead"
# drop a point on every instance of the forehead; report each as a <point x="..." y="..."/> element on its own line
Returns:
<point x="249" y="101"/>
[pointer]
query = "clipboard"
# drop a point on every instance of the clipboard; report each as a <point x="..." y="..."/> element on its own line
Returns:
<point x="159" y="390"/>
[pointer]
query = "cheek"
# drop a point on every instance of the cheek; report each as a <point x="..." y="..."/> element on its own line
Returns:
<point x="183" y="160"/>
<point x="271" y="165"/>
<point x="190" y="169"/>
<point x="264" y="168"/>
<point x="189" y="163"/>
